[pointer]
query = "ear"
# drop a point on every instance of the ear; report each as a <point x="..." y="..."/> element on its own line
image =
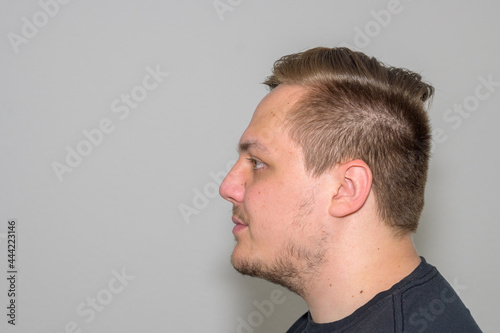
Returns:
<point x="353" y="182"/>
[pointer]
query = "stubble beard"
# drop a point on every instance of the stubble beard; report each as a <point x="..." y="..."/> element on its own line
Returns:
<point x="295" y="267"/>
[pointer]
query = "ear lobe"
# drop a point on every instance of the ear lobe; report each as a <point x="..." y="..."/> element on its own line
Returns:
<point x="354" y="182"/>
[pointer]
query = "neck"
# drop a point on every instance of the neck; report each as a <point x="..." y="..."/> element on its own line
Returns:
<point x="354" y="274"/>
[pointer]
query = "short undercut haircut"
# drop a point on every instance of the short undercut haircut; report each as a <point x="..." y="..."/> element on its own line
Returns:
<point x="355" y="107"/>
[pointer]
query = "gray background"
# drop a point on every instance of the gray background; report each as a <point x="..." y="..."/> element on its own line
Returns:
<point x="120" y="208"/>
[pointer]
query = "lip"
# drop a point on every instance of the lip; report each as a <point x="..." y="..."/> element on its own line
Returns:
<point x="239" y="226"/>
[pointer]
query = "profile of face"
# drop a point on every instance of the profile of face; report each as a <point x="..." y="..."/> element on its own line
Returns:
<point x="278" y="207"/>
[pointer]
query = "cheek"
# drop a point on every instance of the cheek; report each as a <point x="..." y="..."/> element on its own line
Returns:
<point x="271" y="205"/>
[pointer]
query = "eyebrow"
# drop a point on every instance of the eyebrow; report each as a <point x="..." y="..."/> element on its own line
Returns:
<point x="246" y="146"/>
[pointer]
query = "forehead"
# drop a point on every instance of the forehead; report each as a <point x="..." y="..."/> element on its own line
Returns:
<point x="266" y="127"/>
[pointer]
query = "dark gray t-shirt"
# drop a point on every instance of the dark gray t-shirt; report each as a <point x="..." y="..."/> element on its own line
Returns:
<point x="423" y="302"/>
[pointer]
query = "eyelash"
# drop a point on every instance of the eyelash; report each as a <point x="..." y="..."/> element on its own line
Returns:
<point x="255" y="162"/>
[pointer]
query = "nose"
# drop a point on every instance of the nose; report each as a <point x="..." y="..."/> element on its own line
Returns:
<point x="232" y="187"/>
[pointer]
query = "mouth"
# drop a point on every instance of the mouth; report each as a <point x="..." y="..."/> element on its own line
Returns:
<point x="239" y="225"/>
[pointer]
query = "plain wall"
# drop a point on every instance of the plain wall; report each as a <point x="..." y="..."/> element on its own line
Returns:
<point x="143" y="203"/>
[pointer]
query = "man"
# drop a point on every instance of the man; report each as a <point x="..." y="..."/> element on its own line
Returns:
<point x="329" y="186"/>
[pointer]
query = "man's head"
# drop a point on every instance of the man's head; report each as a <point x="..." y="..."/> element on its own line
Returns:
<point x="336" y="128"/>
<point x="357" y="108"/>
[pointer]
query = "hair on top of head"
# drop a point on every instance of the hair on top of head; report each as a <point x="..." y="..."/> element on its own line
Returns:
<point x="323" y="64"/>
<point x="356" y="107"/>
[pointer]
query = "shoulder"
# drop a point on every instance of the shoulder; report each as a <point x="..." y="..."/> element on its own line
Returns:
<point x="300" y="324"/>
<point x="422" y="302"/>
<point x="429" y="303"/>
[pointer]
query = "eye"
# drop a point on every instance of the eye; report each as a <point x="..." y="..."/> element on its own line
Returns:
<point x="256" y="164"/>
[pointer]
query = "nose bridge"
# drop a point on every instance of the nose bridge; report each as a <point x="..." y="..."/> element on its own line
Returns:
<point x="232" y="187"/>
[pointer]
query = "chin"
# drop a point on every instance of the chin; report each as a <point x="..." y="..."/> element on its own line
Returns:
<point x="281" y="271"/>
<point x="239" y="259"/>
